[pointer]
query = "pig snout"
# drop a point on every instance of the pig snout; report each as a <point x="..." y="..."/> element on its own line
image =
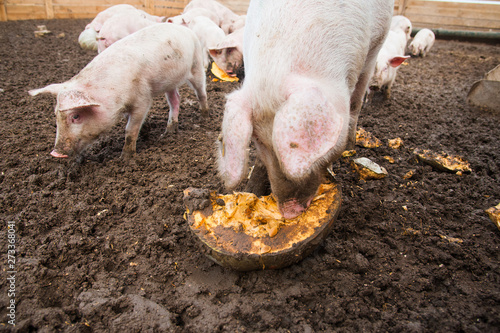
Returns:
<point x="293" y="208"/>
<point x="57" y="154"/>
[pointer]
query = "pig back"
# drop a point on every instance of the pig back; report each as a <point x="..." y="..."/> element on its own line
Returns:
<point x="326" y="40"/>
<point x="151" y="61"/>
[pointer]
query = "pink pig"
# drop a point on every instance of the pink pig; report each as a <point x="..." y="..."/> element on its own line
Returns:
<point x="228" y="53"/>
<point x="306" y="71"/>
<point x="422" y="43"/>
<point x="390" y="57"/>
<point x="186" y="17"/>
<point x="208" y="33"/>
<point x="228" y="19"/>
<point x="122" y="81"/>
<point x="119" y="26"/>
<point x="402" y="23"/>
<point x="87" y="38"/>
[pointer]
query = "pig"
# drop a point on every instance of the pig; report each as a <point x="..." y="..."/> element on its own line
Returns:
<point x="229" y="21"/>
<point x="119" y="26"/>
<point x="422" y="42"/>
<point x="400" y="22"/>
<point x="390" y="57"/>
<point x="236" y="24"/>
<point x="186" y="17"/>
<point x="302" y="93"/>
<point x="209" y="35"/>
<point x="122" y="81"/>
<point x="228" y="53"/>
<point x="88" y="37"/>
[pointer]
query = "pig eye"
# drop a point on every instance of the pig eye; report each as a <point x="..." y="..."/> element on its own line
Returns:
<point x="75" y="118"/>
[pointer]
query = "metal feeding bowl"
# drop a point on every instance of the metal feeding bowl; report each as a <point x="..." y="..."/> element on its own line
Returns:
<point x="244" y="232"/>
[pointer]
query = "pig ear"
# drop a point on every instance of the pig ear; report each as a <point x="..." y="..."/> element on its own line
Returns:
<point x="306" y="129"/>
<point x="72" y="99"/>
<point x="214" y="52"/>
<point x="50" y="89"/>
<point x="397" y="61"/>
<point x="234" y="139"/>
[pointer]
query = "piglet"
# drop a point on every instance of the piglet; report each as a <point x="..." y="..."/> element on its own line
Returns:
<point x="401" y="23"/>
<point x="390" y="57"/>
<point x="209" y="35"/>
<point x="122" y="81"/>
<point x="228" y="19"/>
<point x="88" y="37"/>
<point x="187" y="16"/>
<point x="120" y="26"/>
<point x="228" y="53"/>
<point x="307" y="66"/>
<point x="422" y="42"/>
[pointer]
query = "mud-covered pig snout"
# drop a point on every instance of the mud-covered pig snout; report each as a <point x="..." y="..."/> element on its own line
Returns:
<point x="292" y="208"/>
<point x="57" y="154"/>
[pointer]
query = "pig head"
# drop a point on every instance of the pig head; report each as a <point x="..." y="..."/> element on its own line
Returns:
<point x="79" y="121"/>
<point x="228" y="54"/>
<point x="294" y="145"/>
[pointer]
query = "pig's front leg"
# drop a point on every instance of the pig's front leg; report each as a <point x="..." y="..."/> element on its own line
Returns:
<point x="173" y="99"/>
<point x="361" y="91"/>
<point x="135" y="119"/>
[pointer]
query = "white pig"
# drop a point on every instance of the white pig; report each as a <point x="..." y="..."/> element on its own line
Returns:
<point x="400" y="22"/>
<point x="119" y="26"/>
<point x="209" y="35"/>
<point x="186" y="17"/>
<point x="88" y="37"/>
<point x="422" y="42"/>
<point x="228" y="53"/>
<point x="123" y="80"/>
<point x="227" y="17"/>
<point x="390" y="57"/>
<point x="307" y="66"/>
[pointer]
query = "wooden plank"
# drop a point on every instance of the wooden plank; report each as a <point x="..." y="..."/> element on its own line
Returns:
<point x="25" y="12"/>
<point x="25" y="3"/>
<point x="478" y="13"/>
<point x="49" y="9"/>
<point x="3" y="11"/>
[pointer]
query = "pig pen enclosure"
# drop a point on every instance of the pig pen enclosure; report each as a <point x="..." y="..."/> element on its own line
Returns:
<point x="102" y="245"/>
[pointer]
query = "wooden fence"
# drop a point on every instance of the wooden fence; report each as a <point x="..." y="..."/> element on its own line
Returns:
<point x="453" y="15"/>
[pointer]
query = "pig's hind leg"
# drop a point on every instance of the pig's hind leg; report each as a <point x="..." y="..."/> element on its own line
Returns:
<point x="173" y="100"/>
<point x="198" y="82"/>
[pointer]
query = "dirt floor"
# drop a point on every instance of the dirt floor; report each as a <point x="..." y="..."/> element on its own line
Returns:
<point x="102" y="245"/>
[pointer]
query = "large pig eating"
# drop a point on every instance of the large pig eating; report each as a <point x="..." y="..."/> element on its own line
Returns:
<point x="307" y="66"/>
<point x="122" y="81"/>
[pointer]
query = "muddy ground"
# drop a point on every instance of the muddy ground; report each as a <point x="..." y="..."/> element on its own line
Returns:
<point x="102" y="245"/>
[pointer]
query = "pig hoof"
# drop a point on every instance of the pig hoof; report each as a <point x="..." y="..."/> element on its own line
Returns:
<point x="172" y="128"/>
<point x="128" y="154"/>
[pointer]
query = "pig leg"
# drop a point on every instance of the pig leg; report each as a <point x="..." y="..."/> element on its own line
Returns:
<point x="173" y="100"/>
<point x="198" y="83"/>
<point x="135" y="119"/>
<point x="361" y="90"/>
<point x="234" y="139"/>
